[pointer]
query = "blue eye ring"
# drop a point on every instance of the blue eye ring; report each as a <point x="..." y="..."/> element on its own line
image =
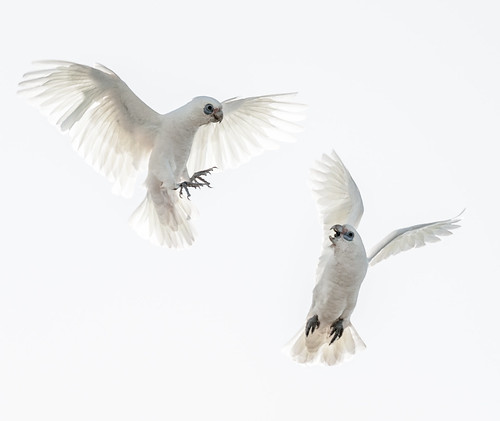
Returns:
<point x="209" y="109"/>
<point x="349" y="236"/>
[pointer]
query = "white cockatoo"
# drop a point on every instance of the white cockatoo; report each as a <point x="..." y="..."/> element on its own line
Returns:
<point x="328" y="336"/>
<point x="119" y="135"/>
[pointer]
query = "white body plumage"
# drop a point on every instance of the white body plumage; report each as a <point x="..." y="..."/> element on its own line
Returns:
<point x="336" y="292"/>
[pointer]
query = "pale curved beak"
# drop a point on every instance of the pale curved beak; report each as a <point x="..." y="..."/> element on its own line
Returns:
<point x="218" y="115"/>
<point x="339" y="229"/>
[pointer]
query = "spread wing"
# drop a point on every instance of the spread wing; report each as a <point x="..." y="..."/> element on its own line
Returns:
<point x="110" y="127"/>
<point x="415" y="236"/>
<point x="338" y="197"/>
<point x="250" y="126"/>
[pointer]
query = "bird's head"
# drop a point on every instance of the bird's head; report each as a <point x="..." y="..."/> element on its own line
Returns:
<point x="207" y="110"/>
<point x="344" y="236"/>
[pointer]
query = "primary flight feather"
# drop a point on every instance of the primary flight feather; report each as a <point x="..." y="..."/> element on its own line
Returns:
<point x="328" y="335"/>
<point x="119" y="135"/>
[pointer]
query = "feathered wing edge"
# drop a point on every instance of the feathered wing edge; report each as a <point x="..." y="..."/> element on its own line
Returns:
<point x="110" y="127"/>
<point x="411" y="237"/>
<point x="250" y="126"/>
<point x="338" y="197"/>
<point x="316" y="348"/>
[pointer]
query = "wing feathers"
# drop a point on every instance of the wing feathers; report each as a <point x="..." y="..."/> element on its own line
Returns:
<point x="411" y="237"/>
<point x="250" y="126"/>
<point x="338" y="197"/>
<point x="109" y="125"/>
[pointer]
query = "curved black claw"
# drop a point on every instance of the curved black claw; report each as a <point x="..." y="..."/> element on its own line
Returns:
<point x="196" y="181"/>
<point x="198" y="175"/>
<point x="312" y="324"/>
<point x="336" y="330"/>
<point x="184" y="186"/>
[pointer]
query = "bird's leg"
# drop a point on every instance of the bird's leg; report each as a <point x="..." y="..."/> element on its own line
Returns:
<point x="336" y="329"/>
<point x="312" y="324"/>
<point x="196" y="181"/>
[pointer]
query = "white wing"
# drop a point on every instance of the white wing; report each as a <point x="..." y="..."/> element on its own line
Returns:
<point x="415" y="236"/>
<point x="338" y="197"/>
<point x="109" y="125"/>
<point x="250" y="126"/>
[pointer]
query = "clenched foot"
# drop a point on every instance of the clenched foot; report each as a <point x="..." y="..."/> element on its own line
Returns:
<point x="199" y="176"/>
<point x="312" y="324"/>
<point x="196" y="181"/>
<point x="184" y="186"/>
<point x="336" y="329"/>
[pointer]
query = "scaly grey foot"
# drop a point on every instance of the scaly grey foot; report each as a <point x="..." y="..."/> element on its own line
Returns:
<point x="336" y="329"/>
<point x="184" y="187"/>
<point x="196" y="181"/>
<point x="198" y="175"/>
<point x="312" y="324"/>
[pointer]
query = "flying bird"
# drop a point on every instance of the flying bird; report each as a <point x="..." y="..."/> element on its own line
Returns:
<point x="328" y="335"/>
<point x="119" y="135"/>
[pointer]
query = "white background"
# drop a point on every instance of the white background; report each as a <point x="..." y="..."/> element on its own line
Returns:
<point x="97" y="324"/>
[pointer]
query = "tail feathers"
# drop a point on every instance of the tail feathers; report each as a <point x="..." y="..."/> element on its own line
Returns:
<point x="164" y="219"/>
<point x="316" y="348"/>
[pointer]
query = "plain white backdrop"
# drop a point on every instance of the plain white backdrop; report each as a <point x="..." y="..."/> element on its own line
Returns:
<point x="97" y="324"/>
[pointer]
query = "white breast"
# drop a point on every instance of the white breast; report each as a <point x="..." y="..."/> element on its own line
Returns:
<point x="336" y="292"/>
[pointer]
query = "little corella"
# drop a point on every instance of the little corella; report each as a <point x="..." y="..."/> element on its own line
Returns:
<point x="328" y="335"/>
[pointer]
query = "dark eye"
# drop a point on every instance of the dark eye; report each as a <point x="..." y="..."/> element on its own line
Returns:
<point x="349" y="235"/>
<point x="209" y="109"/>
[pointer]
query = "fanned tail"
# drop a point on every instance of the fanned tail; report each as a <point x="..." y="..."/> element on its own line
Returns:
<point x="316" y="347"/>
<point x="163" y="217"/>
